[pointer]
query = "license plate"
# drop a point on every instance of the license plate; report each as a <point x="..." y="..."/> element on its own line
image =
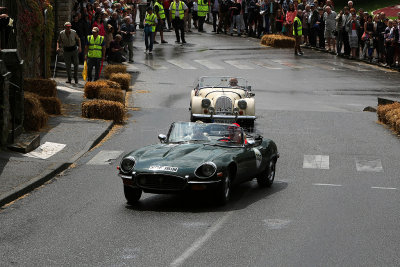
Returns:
<point x="223" y="121"/>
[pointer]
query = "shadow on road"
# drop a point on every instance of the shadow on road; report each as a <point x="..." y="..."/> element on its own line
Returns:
<point x="242" y="196"/>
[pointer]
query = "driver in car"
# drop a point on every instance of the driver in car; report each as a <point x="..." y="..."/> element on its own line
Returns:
<point x="233" y="82"/>
<point x="235" y="135"/>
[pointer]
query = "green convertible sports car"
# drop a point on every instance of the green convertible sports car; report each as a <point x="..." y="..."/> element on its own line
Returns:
<point x="199" y="156"/>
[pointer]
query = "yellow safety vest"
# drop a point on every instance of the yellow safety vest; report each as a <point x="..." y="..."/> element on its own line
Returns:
<point x="173" y="10"/>
<point x="151" y="20"/>
<point x="202" y="8"/>
<point x="299" y="27"/>
<point x="95" y="48"/>
<point x="160" y="10"/>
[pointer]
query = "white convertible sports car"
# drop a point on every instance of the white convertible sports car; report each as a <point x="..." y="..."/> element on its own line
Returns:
<point x="223" y="100"/>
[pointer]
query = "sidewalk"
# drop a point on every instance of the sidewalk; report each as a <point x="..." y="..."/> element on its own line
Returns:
<point x="66" y="138"/>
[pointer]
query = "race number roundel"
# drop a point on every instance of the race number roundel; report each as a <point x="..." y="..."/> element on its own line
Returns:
<point x="258" y="157"/>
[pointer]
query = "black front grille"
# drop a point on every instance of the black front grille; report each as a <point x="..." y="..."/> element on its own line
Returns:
<point x="160" y="182"/>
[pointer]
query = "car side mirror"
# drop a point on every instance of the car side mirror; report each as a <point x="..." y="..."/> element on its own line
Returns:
<point x="162" y="138"/>
<point x="252" y="94"/>
<point x="248" y="87"/>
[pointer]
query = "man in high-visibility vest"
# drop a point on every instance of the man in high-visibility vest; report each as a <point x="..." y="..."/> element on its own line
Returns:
<point x="159" y="11"/>
<point x="298" y="32"/>
<point x="202" y="10"/>
<point x="95" y="51"/>
<point x="150" y="22"/>
<point x="178" y="11"/>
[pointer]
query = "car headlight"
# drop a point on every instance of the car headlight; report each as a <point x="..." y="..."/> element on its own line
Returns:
<point x="206" y="170"/>
<point x="242" y="104"/>
<point x="127" y="164"/>
<point x="205" y="103"/>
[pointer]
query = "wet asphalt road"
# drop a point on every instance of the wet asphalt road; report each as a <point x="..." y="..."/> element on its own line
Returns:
<point x="342" y="213"/>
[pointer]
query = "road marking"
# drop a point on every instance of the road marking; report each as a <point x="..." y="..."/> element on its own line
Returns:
<point x="348" y="66"/>
<point x="288" y="64"/>
<point x="104" y="157"/>
<point x="316" y="162"/>
<point x="46" y="150"/>
<point x="276" y="224"/>
<point x="369" y="165"/>
<point x="322" y="66"/>
<point x="239" y="65"/>
<point x="67" y="89"/>
<point x="385" y="188"/>
<point x="208" y="64"/>
<point x="201" y="241"/>
<point x="181" y="64"/>
<point x="265" y="65"/>
<point x="154" y="65"/>
<point x="194" y="224"/>
<point x="335" y="185"/>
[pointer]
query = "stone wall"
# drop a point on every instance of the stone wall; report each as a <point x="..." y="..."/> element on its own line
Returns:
<point x="64" y="12"/>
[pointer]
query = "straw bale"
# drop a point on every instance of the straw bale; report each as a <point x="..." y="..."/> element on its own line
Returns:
<point x="123" y="79"/>
<point x="276" y="40"/>
<point x="92" y="88"/>
<point x="34" y="115"/>
<point x="383" y="109"/>
<point x="103" y="109"/>
<point x="114" y="68"/>
<point x="52" y="105"/>
<point x="42" y="87"/>
<point x="392" y="116"/>
<point x="111" y="94"/>
<point x="111" y="84"/>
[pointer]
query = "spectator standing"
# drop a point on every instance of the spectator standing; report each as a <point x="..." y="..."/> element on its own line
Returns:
<point x="380" y="28"/>
<point x="321" y="28"/>
<point x="251" y="6"/>
<point x="128" y="32"/>
<point x="224" y="16"/>
<point x="188" y="18"/>
<point x="69" y="42"/>
<point x="389" y="43"/>
<point x="202" y="10"/>
<point x="235" y="9"/>
<point x="330" y="27"/>
<point x="77" y="27"/>
<point x="150" y="22"/>
<point x="368" y="39"/>
<point x="279" y="19"/>
<point x="114" y="22"/>
<point x="265" y="13"/>
<point x="108" y="39"/>
<point x="166" y="4"/>
<point x="195" y="17"/>
<point x="159" y="11"/>
<point x="298" y="32"/>
<point x="99" y="24"/>
<point x="178" y="11"/>
<point x="215" y="11"/>
<point x="313" y="26"/>
<point x="142" y="5"/>
<point x="273" y="11"/>
<point x="306" y="25"/>
<point x="346" y="17"/>
<point x="95" y="51"/>
<point x="353" y="25"/>
<point x="396" y="34"/>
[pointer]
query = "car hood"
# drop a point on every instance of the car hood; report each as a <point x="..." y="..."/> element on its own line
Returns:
<point x="186" y="155"/>
<point x="232" y="95"/>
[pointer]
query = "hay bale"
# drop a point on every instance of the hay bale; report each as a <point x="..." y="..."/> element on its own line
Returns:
<point x="276" y="40"/>
<point x="52" y="105"/>
<point x="114" y="68"/>
<point x="397" y="126"/>
<point x="123" y="79"/>
<point x="103" y="109"/>
<point x="111" y="84"/>
<point x="42" y="87"/>
<point x="34" y="115"/>
<point x="111" y="94"/>
<point x="92" y="88"/>
<point x="392" y="116"/>
<point x="383" y="109"/>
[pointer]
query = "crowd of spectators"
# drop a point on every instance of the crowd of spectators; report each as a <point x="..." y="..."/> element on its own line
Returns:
<point x="346" y="31"/>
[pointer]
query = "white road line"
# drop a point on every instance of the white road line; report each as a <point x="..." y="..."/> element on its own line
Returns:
<point x="385" y="188"/>
<point x="348" y="66"/>
<point x="46" y="150"/>
<point x="200" y="242"/>
<point x="104" y="157"/>
<point x="288" y="64"/>
<point x="265" y="65"/>
<point x="316" y="162"/>
<point x="369" y="165"/>
<point x="67" y="89"/>
<point x="154" y="65"/>
<point x="239" y="65"/>
<point x="276" y="224"/>
<point x="336" y="185"/>
<point x="181" y="64"/>
<point x="208" y="64"/>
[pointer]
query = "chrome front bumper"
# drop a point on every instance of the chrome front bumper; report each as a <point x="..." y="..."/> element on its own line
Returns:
<point x="225" y="117"/>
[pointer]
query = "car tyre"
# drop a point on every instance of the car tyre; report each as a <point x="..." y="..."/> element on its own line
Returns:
<point x="223" y="193"/>
<point x="132" y="195"/>
<point x="266" y="178"/>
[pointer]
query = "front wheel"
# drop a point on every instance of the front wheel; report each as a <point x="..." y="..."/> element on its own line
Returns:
<point x="223" y="193"/>
<point x="266" y="178"/>
<point x="132" y="195"/>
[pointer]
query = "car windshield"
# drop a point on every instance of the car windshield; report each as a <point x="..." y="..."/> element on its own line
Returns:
<point x="210" y="133"/>
<point x="224" y="82"/>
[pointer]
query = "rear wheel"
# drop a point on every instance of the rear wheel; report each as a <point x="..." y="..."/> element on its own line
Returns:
<point x="266" y="178"/>
<point x="132" y="195"/>
<point x="223" y="193"/>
